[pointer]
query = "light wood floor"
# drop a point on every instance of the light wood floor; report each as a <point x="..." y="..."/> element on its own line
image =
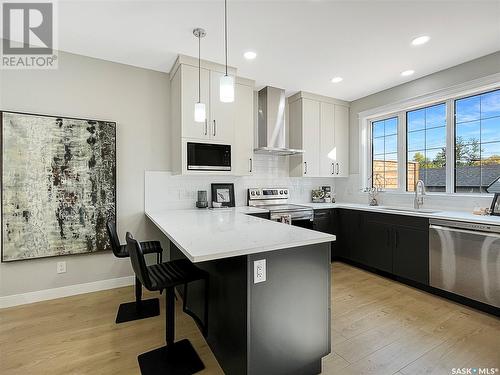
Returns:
<point x="379" y="327"/>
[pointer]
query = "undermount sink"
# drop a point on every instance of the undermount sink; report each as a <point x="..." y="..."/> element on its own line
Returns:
<point x="404" y="209"/>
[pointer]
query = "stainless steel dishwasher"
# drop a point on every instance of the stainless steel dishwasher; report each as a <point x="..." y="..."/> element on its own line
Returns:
<point x="465" y="259"/>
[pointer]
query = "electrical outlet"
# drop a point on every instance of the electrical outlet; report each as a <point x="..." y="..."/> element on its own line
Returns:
<point x="259" y="271"/>
<point x="61" y="267"/>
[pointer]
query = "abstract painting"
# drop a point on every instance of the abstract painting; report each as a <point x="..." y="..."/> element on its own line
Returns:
<point x="58" y="185"/>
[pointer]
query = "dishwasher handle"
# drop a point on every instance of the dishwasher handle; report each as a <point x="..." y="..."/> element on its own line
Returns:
<point x="466" y="231"/>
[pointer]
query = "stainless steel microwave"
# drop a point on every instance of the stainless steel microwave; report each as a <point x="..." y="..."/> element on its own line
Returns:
<point x="208" y="157"/>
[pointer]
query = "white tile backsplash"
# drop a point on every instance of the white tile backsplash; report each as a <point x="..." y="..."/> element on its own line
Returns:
<point x="165" y="191"/>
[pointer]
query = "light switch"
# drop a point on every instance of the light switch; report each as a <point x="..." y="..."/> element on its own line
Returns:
<point x="259" y="271"/>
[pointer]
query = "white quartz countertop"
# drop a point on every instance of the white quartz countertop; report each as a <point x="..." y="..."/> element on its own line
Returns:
<point x="209" y="234"/>
<point x="429" y="213"/>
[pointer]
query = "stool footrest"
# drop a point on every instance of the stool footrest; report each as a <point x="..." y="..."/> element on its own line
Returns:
<point x="131" y="311"/>
<point x="179" y="358"/>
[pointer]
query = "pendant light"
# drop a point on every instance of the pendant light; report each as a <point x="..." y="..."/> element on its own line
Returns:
<point x="226" y="82"/>
<point x="200" y="113"/>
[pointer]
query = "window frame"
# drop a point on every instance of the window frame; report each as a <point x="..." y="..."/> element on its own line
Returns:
<point x="446" y="103"/>
<point x="383" y="118"/>
<point x="453" y="186"/>
<point x="446" y="96"/>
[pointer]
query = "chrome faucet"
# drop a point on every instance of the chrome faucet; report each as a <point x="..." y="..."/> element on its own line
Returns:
<point x="419" y="194"/>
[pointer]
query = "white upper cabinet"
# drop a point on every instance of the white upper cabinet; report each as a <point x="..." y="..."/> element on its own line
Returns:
<point x="320" y="126"/>
<point x="226" y="123"/>
<point x="219" y="125"/>
<point x="305" y="135"/>
<point x="244" y="131"/>
<point x="311" y="137"/>
<point x="327" y="148"/>
<point x="222" y="115"/>
<point x="342" y="140"/>
<point x="189" y="96"/>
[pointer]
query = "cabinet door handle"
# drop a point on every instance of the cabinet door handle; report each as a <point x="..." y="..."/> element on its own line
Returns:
<point x="305" y="167"/>
<point x="215" y="128"/>
<point x="396" y="238"/>
<point x="338" y="168"/>
<point x="251" y="165"/>
<point x="333" y="168"/>
<point x="206" y="127"/>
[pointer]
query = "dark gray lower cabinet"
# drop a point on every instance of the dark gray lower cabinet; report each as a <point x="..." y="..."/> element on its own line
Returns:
<point x="349" y="242"/>
<point x="323" y="221"/>
<point x="396" y="244"/>
<point x="411" y="253"/>
<point x="378" y="250"/>
<point x="263" y="215"/>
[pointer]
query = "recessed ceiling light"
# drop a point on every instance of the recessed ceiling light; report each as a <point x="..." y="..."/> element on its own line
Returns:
<point x="407" y="73"/>
<point x="250" y="55"/>
<point x="337" y="79"/>
<point x="420" y="40"/>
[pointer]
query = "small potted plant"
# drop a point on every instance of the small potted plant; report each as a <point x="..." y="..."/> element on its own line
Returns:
<point x="375" y="186"/>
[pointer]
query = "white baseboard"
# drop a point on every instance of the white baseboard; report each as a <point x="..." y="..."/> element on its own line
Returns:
<point x="65" y="291"/>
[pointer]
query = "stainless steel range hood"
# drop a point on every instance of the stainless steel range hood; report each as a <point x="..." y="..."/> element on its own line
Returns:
<point x="271" y="123"/>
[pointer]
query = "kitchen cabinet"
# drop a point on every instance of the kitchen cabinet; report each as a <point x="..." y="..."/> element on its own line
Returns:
<point x="244" y="139"/>
<point x="220" y="122"/>
<point x="222" y="115"/>
<point x="226" y="123"/>
<point x="378" y="252"/>
<point x="323" y="221"/>
<point x="305" y="135"/>
<point x="411" y="253"/>
<point x="340" y="157"/>
<point x="319" y="125"/>
<point x="350" y="235"/>
<point x="396" y="244"/>
<point x="327" y="149"/>
<point x="188" y="77"/>
<point x="262" y="215"/>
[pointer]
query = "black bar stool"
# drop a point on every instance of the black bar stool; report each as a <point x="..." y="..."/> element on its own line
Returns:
<point x="139" y="309"/>
<point x="179" y="357"/>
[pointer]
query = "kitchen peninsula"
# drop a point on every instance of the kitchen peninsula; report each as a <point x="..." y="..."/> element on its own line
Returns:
<point x="264" y="317"/>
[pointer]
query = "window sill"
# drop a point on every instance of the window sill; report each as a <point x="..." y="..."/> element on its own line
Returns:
<point x="457" y="195"/>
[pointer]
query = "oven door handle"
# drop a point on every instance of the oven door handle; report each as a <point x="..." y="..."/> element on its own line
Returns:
<point x="277" y="217"/>
<point x="305" y="217"/>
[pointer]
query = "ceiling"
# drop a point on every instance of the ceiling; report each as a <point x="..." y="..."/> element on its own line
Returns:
<point x="301" y="45"/>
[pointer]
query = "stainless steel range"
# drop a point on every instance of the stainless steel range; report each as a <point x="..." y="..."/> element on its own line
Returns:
<point x="276" y="201"/>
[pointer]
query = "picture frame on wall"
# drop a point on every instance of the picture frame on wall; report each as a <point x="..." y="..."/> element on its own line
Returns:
<point x="223" y="195"/>
<point x="58" y="185"/>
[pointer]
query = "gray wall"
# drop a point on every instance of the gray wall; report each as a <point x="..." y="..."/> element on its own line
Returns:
<point x="138" y="100"/>
<point x="468" y="71"/>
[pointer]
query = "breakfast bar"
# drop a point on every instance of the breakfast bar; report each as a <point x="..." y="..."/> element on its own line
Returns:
<point x="269" y="293"/>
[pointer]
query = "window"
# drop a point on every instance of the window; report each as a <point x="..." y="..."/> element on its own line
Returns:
<point x="477" y="142"/>
<point x="452" y="144"/>
<point x="426" y="148"/>
<point x="385" y="153"/>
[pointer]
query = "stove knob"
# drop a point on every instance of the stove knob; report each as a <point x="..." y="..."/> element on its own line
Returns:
<point x="252" y="193"/>
<point x="286" y="191"/>
<point x="258" y="193"/>
<point x="281" y="192"/>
